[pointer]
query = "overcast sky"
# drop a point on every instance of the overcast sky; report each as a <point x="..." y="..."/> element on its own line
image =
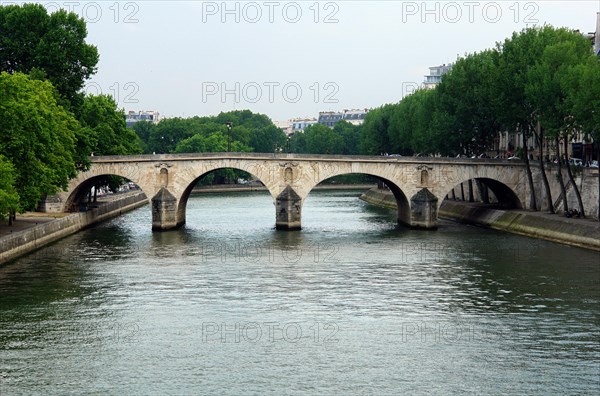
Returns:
<point x="291" y="59"/>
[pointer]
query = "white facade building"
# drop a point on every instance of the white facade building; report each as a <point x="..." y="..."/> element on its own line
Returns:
<point x="299" y="124"/>
<point x="132" y="117"/>
<point x="285" y="126"/>
<point x="435" y="75"/>
<point x="354" y="116"/>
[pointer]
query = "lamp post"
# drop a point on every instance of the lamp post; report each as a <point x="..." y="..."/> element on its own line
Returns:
<point x="229" y="126"/>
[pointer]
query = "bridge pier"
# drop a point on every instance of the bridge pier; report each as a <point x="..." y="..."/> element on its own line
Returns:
<point x="164" y="211"/>
<point x="423" y="210"/>
<point x="288" y="206"/>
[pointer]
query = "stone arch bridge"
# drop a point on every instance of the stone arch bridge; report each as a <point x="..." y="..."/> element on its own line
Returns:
<point x="419" y="184"/>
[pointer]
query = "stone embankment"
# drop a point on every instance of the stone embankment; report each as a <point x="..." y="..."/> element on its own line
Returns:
<point x="31" y="233"/>
<point x="575" y="232"/>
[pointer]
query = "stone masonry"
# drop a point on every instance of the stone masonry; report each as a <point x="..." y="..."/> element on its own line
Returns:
<point x="419" y="184"/>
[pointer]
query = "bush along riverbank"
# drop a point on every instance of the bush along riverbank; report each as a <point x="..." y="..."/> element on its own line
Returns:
<point x="31" y="235"/>
<point x="553" y="227"/>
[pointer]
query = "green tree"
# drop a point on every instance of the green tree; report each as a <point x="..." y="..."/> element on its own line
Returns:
<point x="322" y="140"/>
<point x="468" y="93"/>
<point x="264" y="139"/>
<point x="411" y="130"/>
<point x="350" y="136"/>
<point x="214" y="143"/>
<point x="517" y="111"/>
<point x="31" y="40"/>
<point x="298" y="142"/>
<point x="374" y="138"/>
<point x="194" y="144"/>
<point x="38" y="135"/>
<point x="106" y="133"/>
<point x="143" y="129"/>
<point x="250" y="132"/>
<point x="546" y="91"/>
<point x="243" y="117"/>
<point x="106" y="129"/>
<point x="167" y="134"/>
<point x="400" y="131"/>
<point x="582" y="88"/>
<point x="9" y="198"/>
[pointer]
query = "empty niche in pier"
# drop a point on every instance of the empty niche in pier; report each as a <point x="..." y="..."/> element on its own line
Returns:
<point x="289" y="175"/>
<point x="164" y="177"/>
<point x="424" y="178"/>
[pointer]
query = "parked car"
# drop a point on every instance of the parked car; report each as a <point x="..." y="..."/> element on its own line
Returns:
<point x="594" y="164"/>
<point x="514" y="157"/>
<point x="576" y="162"/>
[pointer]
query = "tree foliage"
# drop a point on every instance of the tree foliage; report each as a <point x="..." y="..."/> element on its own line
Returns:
<point x="545" y="87"/>
<point x="249" y="132"/>
<point x="321" y="139"/>
<point x="31" y="40"/>
<point x="582" y="88"/>
<point x="539" y="74"/>
<point x="343" y="138"/>
<point x="48" y="127"/>
<point x="105" y="128"/>
<point x="374" y="135"/>
<point x="350" y="137"/>
<point x="9" y="198"/>
<point x="38" y="137"/>
<point x="215" y="142"/>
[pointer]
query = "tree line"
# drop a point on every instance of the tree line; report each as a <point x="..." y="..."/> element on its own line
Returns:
<point x="239" y="131"/>
<point x="48" y="126"/>
<point x="542" y="82"/>
<point x="236" y="131"/>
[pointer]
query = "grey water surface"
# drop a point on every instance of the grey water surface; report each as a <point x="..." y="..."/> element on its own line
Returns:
<point x="351" y="304"/>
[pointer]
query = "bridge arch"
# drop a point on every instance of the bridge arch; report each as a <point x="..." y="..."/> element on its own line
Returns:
<point x="505" y="196"/>
<point x="192" y="181"/>
<point x="81" y="191"/>
<point x="80" y="187"/>
<point x="402" y="202"/>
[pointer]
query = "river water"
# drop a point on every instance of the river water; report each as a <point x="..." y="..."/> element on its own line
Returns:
<point x="352" y="304"/>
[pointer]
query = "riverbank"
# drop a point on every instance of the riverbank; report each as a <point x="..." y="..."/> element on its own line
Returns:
<point x="570" y="231"/>
<point x="31" y="231"/>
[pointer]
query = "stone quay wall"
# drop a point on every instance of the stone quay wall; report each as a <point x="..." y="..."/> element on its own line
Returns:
<point x="26" y="241"/>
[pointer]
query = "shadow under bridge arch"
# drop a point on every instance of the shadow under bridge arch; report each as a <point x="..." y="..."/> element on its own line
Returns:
<point x="88" y="191"/>
<point x="387" y="194"/>
<point x="485" y="191"/>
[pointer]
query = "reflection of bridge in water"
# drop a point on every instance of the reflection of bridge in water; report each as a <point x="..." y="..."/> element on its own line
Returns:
<point x="419" y="184"/>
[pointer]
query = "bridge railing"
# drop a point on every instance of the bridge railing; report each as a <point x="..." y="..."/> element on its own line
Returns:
<point x="302" y="157"/>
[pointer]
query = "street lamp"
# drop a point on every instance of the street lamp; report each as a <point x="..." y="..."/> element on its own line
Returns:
<point x="229" y="126"/>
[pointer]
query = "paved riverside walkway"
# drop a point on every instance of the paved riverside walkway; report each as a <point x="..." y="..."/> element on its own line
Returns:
<point x="29" y="220"/>
<point x="587" y="221"/>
